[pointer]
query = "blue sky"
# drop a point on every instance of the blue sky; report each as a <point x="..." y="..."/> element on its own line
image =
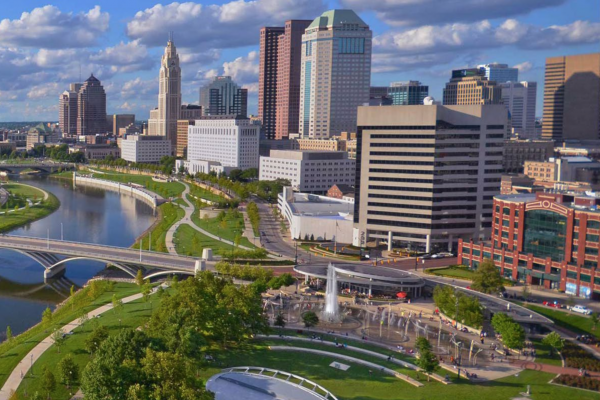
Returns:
<point x="43" y="44"/>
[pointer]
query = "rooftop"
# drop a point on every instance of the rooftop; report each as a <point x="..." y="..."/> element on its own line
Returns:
<point x="311" y="205"/>
<point x="335" y="18"/>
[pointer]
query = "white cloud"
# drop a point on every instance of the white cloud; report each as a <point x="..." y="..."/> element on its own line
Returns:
<point x="434" y="12"/>
<point x="451" y="41"/>
<point x="48" y="27"/>
<point x="243" y="69"/>
<point x="44" y="91"/>
<point x="232" y="24"/>
<point x="131" y="56"/>
<point x="138" y="88"/>
<point x="524" y="66"/>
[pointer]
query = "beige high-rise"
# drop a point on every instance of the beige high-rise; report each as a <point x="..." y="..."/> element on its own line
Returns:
<point x="469" y="87"/>
<point x="169" y="93"/>
<point x="427" y="175"/>
<point x="336" y="73"/>
<point x="572" y="98"/>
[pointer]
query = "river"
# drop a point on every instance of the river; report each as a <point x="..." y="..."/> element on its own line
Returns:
<point x="87" y="215"/>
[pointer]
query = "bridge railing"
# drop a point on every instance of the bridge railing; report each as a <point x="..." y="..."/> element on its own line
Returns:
<point x="131" y="250"/>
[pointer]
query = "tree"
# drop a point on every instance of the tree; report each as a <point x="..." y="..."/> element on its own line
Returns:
<point x="525" y="292"/>
<point x="554" y="340"/>
<point x="95" y="338"/>
<point x="422" y="344"/>
<point x="68" y="371"/>
<point x="58" y="337"/>
<point x="48" y="381"/>
<point x="83" y="317"/>
<point x="47" y="317"/>
<point x="9" y="335"/>
<point x="117" y="303"/>
<point x="487" y="279"/>
<point x="595" y="319"/>
<point x="513" y="336"/>
<point x="280" y="320"/>
<point x="72" y="291"/>
<point x="310" y="319"/>
<point x="139" y="277"/>
<point x="428" y="362"/>
<point x="146" y="290"/>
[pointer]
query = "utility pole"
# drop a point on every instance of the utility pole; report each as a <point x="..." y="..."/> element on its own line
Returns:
<point x="48" y="239"/>
<point x="61" y="232"/>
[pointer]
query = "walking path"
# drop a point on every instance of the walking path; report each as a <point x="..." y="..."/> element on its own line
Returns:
<point x="553" y="369"/>
<point x="358" y="350"/>
<point x="31" y="203"/>
<point x="187" y="219"/>
<point x="351" y="359"/>
<point x="17" y="375"/>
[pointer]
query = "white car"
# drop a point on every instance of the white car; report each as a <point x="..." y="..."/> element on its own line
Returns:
<point x="580" y="309"/>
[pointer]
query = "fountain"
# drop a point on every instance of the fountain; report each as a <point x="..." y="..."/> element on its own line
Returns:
<point x="332" y="312"/>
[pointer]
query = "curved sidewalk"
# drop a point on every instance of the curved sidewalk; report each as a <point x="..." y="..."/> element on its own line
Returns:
<point x="18" y="374"/>
<point x="553" y="369"/>
<point x="187" y="219"/>
<point x="369" y="364"/>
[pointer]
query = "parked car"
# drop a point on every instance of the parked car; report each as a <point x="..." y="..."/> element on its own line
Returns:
<point x="580" y="309"/>
<point x="553" y="304"/>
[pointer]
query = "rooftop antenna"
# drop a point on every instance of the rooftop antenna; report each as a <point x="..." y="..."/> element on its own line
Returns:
<point x="80" y="71"/>
<point x="170" y="36"/>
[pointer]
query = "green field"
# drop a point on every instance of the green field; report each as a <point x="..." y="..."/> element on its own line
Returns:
<point x="132" y="315"/>
<point x="458" y="272"/>
<point x="16" y="219"/>
<point x="187" y="245"/>
<point x="573" y="322"/>
<point x="170" y="213"/>
<point x="234" y="225"/>
<point x="205" y="194"/>
<point x="12" y="352"/>
<point x="165" y="189"/>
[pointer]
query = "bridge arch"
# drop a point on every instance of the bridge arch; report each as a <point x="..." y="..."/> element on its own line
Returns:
<point x="123" y="268"/>
<point x="171" y="272"/>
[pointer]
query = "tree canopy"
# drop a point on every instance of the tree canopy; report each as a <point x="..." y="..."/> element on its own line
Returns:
<point x="487" y="279"/>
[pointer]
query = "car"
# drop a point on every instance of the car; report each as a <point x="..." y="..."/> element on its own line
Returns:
<point x="580" y="309"/>
<point x="553" y="304"/>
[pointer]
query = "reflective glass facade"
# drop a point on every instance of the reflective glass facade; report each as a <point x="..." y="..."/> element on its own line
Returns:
<point x="545" y="234"/>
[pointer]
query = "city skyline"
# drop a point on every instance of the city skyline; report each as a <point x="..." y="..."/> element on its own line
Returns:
<point x="44" y="48"/>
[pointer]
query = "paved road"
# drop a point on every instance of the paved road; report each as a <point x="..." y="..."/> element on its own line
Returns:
<point x="93" y="251"/>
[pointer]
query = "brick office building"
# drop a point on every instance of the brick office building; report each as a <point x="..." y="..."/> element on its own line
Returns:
<point x="547" y="239"/>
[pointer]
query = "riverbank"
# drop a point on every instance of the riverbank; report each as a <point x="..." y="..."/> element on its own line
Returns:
<point x="88" y="298"/>
<point x="38" y="204"/>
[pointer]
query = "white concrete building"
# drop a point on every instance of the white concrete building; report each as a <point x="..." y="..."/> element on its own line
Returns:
<point x="323" y="218"/>
<point x="309" y="170"/>
<point x="202" y="166"/>
<point x="519" y="99"/>
<point x="230" y="141"/>
<point x="144" y="148"/>
<point x="336" y="73"/>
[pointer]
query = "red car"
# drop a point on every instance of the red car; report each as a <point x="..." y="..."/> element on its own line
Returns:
<point x="552" y="304"/>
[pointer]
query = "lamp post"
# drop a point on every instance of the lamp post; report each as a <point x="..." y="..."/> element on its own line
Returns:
<point x="61" y="232"/>
<point x="48" y="239"/>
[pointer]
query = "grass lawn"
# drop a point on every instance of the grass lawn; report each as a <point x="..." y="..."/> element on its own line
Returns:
<point x="184" y="242"/>
<point x="16" y="219"/>
<point x="13" y="352"/>
<point x="205" y="194"/>
<point x="234" y="226"/>
<point x="357" y="383"/>
<point x="170" y="213"/>
<point x="544" y="353"/>
<point x="458" y="272"/>
<point x="67" y="175"/>
<point x="165" y="189"/>
<point x="572" y="322"/>
<point x="132" y="315"/>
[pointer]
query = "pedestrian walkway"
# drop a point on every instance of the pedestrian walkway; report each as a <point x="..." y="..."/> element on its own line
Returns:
<point x="553" y="369"/>
<point x="17" y="375"/>
<point x="189" y="209"/>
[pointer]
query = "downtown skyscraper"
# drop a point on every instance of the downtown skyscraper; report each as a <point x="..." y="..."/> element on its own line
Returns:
<point x="279" y="78"/>
<point x="91" y="108"/>
<point x="169" y="93"/>
<point x="67" y="109"/>
<point x="336" y="73"/>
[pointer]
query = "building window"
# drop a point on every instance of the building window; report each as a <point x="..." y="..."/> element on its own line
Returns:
<point x="545" y="234"/>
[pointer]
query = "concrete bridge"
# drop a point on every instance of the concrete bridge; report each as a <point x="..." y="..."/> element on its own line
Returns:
<point x="47" y="251"/>
<point x="45" y="167"/>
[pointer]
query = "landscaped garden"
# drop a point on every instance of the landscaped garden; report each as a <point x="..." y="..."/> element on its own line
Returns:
<point x="165" y="189"/>
<point x="573" y="322"/>
<point x="169" y="214"/>
<point x="18" y="199"/>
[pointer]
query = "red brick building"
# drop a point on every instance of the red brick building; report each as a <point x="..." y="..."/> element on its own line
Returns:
<point x="547" y="239"/>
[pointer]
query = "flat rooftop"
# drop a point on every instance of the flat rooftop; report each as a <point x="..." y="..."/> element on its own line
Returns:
<point x="362" y="274"/>
<point x="320" y="206"/>
<point x="309" y="154"/>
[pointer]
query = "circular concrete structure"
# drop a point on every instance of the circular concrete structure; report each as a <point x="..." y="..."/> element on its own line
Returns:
<point x="366" y="279"/>
<point x="256" y="383"/>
